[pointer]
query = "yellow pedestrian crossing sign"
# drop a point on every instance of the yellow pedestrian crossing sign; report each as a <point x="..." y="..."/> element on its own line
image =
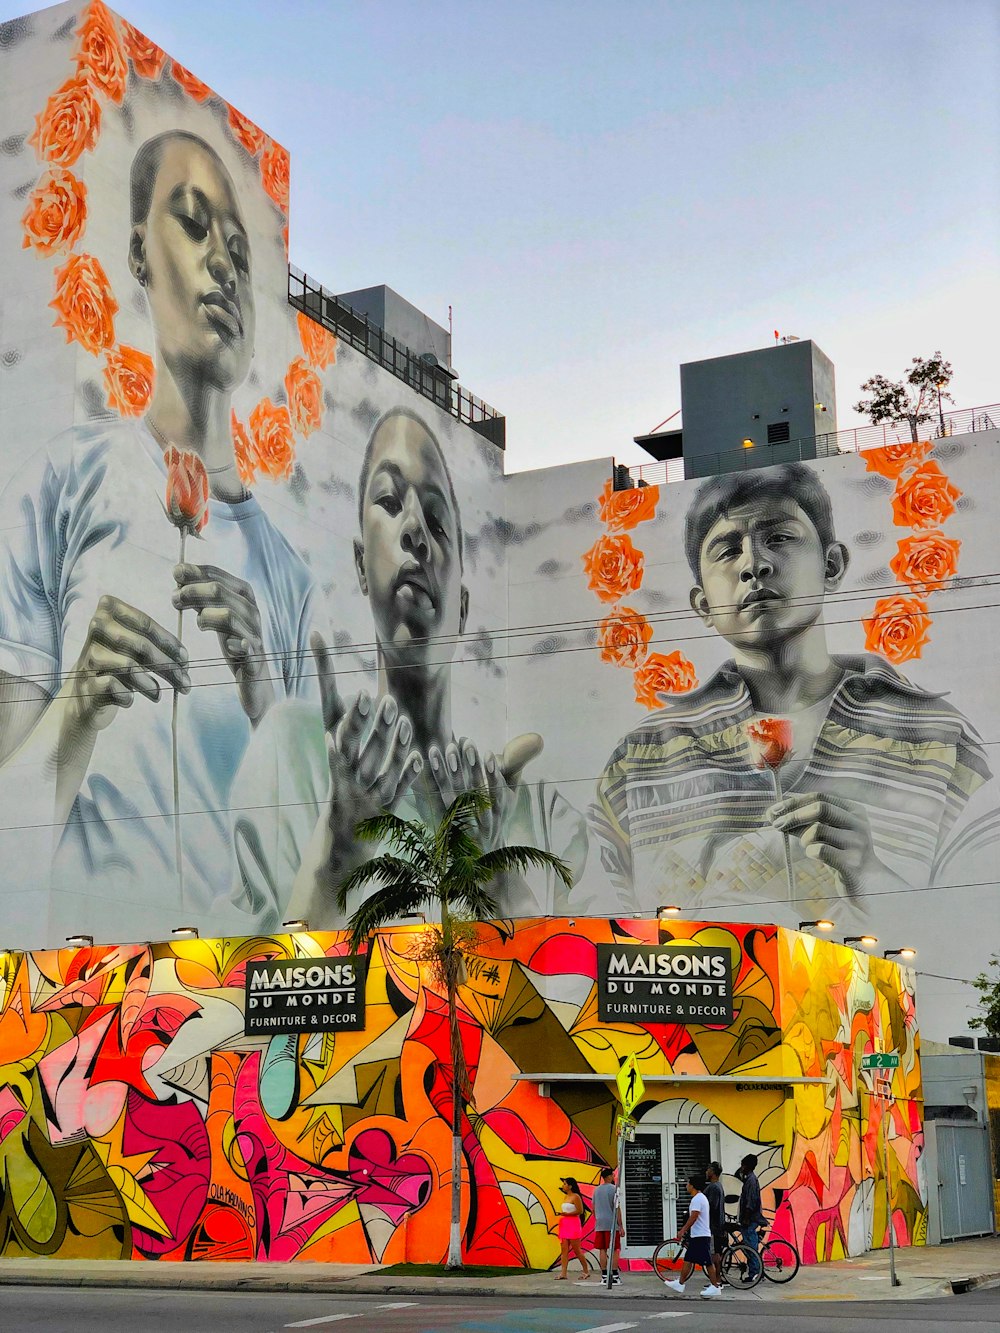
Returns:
<point x="630" y="1084"/>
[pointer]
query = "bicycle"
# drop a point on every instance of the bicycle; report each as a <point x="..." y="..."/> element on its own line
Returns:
<point x="739" y="1264"/>
<point x="779" y="1259"/>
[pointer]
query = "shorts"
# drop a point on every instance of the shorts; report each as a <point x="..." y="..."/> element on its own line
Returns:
<point x="602" y="1240"/>
<point x="699" y="1250"/>
<point x="720" y="1239"/>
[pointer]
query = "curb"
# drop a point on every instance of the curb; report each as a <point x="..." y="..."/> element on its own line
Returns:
<point x="978" y="1282"/>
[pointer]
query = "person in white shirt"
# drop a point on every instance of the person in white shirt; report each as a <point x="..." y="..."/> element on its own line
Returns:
<point x="699" y="1246"/>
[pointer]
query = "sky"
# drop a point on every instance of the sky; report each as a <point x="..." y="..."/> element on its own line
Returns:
<point x="602" y="191"/>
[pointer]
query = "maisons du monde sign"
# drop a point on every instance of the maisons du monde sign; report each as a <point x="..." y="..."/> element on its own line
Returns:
<point x="680" y="983"/>
<point x="284" y="995"/>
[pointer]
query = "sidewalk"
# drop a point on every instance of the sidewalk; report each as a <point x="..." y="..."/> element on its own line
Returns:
<point x="924" y="1273"/>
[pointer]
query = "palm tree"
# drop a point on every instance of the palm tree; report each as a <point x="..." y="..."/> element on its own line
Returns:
<point x="444" y="867"/>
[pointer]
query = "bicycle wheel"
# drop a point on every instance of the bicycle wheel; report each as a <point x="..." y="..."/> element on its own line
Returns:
<point x="780" y="1259"/>
<point x="668" y="1260"/>
<point x="741" y="1266"/>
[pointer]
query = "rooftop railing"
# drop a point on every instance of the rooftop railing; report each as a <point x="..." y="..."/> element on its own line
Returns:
<point x="424" y="375"/>
<point x="963" y="421"/>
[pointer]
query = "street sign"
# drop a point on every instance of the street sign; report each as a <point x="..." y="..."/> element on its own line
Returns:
<point x="880" y="1060"/>
<point x="630" y="1084"/>
<point x="882" y="1087"/>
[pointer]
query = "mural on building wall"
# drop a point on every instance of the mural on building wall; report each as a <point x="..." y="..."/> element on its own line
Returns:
<point x="136" y="1119"/>
<point x="252" y="585"/>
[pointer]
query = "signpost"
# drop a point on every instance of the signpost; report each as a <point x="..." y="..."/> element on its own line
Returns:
<point x="882" y="1091"/>
<point x="630" y="1090"/>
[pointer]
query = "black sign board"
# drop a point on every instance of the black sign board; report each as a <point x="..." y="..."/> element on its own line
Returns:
<point x="286" y="995"/>
<point x="649" y="983"/>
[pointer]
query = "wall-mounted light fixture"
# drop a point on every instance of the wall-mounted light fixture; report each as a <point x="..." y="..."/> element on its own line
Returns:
<point x="667" y="909"/>
<point x="905" y="952"/>
<point x="747" y="442"/>
<point x="295" y="925"/>
<point x="821" y="924"/>
<point x="80" y="941"/>
<point x="868" y="941"/>
<point x="185" y="932"/>
<point x="408" y="916"/>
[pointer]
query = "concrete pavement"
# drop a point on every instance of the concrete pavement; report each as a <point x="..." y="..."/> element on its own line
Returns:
<point x="924" y="1272"/>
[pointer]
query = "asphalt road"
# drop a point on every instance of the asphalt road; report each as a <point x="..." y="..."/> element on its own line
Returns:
<point x="75" y="1310"/>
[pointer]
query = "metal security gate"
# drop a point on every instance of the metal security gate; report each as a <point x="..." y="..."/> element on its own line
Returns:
<point x="965" y="1181"/>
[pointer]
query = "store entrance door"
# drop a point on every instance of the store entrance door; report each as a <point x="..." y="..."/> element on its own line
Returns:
<point x="655" y="1169"/>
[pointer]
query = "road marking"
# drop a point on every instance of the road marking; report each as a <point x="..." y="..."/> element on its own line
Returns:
<point x="399" y="1305"/>
<point x="609" y="1328"/>
<point x="668" y="1314"/>
<point x="323" y="1319"/>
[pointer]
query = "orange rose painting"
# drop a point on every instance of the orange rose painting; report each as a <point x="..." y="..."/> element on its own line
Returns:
<point x="274" y="174"/>
<point x="924" y="499"/>
<point x="621" y="510"/>
<point x="147" y="58"/>
<point x="128" y="380"/>
<point x="187" y="491"/>
<point x="246" y="462"/>
<point x="893" y="459"/>
<point x="663" y="674"/>
<point x="770" y="741"/>
<point x="69" y="125"/>
<point x="623" y="637"/>
<point x="305" y="397"/>
<point x="191" y="85"/>
<point x="613" y="567"/>
<point x="247" y="133"/>
<point x="56" y="212"/>
<point x="898" y="628"/>
<point x="99" y="55"/>
<point x="273" y="442"/>
<point x="83" y="303"/>
<point x="319" y="345"/>
<point x="926" y="561"/>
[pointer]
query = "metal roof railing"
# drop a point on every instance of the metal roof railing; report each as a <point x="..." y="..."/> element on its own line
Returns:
<point x="426" y="376"/>
<point x="962" y="421"/>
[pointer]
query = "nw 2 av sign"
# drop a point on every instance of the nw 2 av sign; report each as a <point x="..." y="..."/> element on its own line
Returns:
<point x="305" y="995"/>
<point x="640" y="983"/>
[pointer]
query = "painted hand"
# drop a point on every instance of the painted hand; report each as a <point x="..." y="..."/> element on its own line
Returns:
<point x="832" y="830"/>
<point x="124" y="654"/>
<point x="227" y="606"/>
<point x="459" y="767"/>
<point x="368" y="742"/>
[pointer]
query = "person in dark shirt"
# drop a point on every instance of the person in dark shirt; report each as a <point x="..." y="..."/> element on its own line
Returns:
<point x="716" y="1197"/>
<point x="750" y="1214"/>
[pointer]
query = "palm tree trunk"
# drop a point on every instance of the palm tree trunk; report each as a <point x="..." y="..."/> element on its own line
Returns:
<point x="451" y="974"/>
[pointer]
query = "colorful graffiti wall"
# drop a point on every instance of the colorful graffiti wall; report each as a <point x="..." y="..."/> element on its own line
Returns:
<point x="253" y="586"/>
<point x="137" y="1121"/>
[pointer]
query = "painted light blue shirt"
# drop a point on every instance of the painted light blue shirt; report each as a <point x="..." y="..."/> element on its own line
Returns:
<point x="85" y="517"/>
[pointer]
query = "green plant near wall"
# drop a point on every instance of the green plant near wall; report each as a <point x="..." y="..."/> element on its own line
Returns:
<point x="441" y="868"/>
<point x="988" y="986"/>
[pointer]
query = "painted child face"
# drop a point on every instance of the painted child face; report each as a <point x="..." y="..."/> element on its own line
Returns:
<point x="764" y="573"/>
<point x="197" y="260"/>
<point x="408" y="557"/>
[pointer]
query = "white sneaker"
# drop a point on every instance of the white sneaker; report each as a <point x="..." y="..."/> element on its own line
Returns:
<point x="711" y="1291"/>
<point x="675" y="1285"/>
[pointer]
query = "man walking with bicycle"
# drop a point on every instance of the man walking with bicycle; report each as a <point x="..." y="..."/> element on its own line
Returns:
<point x="699" y="1246"/>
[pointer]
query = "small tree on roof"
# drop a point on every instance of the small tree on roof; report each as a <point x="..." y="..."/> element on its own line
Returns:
<point x="443" y="868"/>
<point x="910" y="399"/>
<point x="988" y="1018"/>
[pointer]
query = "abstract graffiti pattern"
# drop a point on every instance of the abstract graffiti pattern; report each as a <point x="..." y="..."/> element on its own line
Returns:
<point x="137" y="1120"/>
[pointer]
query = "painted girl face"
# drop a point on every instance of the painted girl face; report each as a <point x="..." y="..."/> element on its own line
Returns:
<point x="196" y="257"/>
<point x="409" y="560"/>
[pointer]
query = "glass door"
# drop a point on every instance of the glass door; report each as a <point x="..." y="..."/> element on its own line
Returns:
<point x="655" y="1169"/>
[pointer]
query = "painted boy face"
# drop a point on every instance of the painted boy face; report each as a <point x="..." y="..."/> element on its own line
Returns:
<point x="408" y="557"/>
<point x="764" y="573"/>
<point x="196" y="256"/>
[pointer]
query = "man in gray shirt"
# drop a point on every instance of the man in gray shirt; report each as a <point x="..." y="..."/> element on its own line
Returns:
<point x="605" y="1211"/>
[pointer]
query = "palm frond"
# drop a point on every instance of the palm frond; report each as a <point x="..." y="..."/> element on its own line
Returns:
<point x="504" y="860"/>
<point x="388" y="905"/>
<point x="458" y="824"/>
<point x="386" y="871"/>
<point x="404" y="835"/>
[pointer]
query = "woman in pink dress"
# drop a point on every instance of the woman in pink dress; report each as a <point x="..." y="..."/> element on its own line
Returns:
<point x="571" y="1228"/>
